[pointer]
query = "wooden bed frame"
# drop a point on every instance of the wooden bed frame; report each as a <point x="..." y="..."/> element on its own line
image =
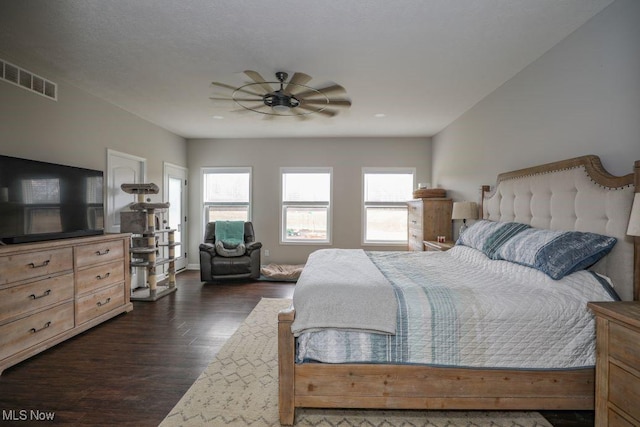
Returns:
<point x="387" y="386"/>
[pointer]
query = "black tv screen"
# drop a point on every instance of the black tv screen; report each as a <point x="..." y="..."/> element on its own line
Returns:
<point x="44" y="201"/>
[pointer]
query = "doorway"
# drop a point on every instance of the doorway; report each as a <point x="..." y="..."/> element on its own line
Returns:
<point x="175" y="192"/>
<point x="123" y="168"/>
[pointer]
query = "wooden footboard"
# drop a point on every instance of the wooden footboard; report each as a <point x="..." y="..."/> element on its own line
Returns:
<point x="286" y="367"/>
<point x="387" y="386"/>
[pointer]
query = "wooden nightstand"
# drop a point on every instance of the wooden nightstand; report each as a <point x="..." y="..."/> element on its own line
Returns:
<point x="432" y="245"/>
<point x="618" y="363"/>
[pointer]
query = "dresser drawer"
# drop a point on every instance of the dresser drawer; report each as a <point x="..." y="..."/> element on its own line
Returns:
<point x="415" y="214"/>
<point x="97" y="253"/>
<point x="99" y="276"/>
<point x="624" y="390"/>
<point x="415" y="246"/>
<point x="29" y="265"/>
<point x="93" y="305"/>
<point x="32" y="330"/>
<point x="23" y="299"/>
<point x="623" y="344"/>
<point x="415" y="238"/>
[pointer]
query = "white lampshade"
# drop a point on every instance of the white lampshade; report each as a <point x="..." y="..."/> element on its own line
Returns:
<point x="634" y="220"/>
<point x="464" y="210"/>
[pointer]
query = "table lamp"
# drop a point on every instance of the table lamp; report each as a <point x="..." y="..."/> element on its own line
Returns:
<point x="464" y="211"/>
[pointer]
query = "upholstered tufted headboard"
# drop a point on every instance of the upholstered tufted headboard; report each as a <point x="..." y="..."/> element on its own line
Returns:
<point x="575" y="194"/>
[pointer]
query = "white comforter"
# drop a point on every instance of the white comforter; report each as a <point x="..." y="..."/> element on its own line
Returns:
<point x="459" y="308"/>
<point x="337" y="289"/>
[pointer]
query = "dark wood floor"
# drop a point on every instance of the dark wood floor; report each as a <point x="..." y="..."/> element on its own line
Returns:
<point x="133" y="369"/>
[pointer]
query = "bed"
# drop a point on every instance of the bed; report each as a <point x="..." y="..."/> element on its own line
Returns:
<point x="570" y="195"/>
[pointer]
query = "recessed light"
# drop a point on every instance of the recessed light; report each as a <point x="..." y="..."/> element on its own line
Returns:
<point x="218" y="117"/>
<point x="379" y="115"/>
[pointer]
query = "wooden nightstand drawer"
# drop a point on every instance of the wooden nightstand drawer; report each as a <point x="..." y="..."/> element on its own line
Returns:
<point x="624" y="390"/>
<point x="623" y="344"/>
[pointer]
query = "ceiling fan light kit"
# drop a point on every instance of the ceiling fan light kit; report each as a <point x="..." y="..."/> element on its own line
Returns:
<point x="291" y="98"/>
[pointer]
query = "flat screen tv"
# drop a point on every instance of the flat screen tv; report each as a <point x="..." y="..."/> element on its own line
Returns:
<point x="45" y="201"/>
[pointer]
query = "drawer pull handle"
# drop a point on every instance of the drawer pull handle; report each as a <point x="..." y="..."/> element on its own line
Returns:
<point x="46" y="293"/>
<point x="44" y="264"/>
<point x="414" y="221"/>
<point x="106" y="251"/>
<point x="99" y="277"/>
<point x="100" y="304"/>
<point x="34" y="330"/>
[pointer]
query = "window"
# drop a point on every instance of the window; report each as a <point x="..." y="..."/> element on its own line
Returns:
<point x="306" y="205"/>
<point x="385" y="192"/>
<point x="226" y="194"/>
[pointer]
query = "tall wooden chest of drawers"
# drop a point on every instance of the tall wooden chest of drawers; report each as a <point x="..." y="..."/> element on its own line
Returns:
<point x="51" y="291"/>
<point x="618" y="363"/>
<point x="428" y="219"/>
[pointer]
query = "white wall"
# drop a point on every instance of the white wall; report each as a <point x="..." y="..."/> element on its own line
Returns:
<point x="347" y="156"/>
<point x="581" y="97"/>
<point x="78" y="129"/>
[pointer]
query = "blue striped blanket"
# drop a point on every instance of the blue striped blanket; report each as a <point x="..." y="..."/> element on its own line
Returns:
<point x="460" y="308"/>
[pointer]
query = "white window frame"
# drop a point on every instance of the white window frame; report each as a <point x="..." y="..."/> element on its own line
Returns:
<point x="216" y="169"/>
<point x="284" y="203"/>
<point x="365" y="204"/>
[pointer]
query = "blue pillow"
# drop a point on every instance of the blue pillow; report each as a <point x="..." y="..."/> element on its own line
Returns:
<point x="488" y="236"/>
<point x="556" y="253"/>
<point x="477" y="233"/>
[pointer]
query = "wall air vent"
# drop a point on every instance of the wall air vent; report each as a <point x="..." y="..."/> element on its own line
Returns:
<point x="27" y="80"/>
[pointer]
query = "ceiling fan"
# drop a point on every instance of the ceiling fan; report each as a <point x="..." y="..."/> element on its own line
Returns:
<point x="290" y="98"/>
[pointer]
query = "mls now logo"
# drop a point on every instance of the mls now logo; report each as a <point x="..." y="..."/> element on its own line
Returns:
<point x="24" y="415"/>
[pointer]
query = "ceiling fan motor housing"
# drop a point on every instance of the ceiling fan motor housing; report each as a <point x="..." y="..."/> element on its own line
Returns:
<point x="279" y="98"/>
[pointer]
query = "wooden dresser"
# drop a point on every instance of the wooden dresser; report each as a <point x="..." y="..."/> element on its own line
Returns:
<point x="51" y="291"/>
<point x="428" y="219"/>
<point x="618" y="363"/>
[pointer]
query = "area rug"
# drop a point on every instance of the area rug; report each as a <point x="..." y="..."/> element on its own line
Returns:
<point x="240" y="388"/>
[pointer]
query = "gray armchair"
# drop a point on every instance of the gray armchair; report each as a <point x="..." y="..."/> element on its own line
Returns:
<point x="214" y="267"/>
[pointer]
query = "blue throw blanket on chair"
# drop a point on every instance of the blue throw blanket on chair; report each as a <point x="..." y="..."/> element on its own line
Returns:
<point x="231" y="233"/>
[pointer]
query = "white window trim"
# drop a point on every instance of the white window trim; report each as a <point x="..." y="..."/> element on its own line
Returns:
<point x="363" y="222"/>
<point x="283" y="240"/>
<point x="223" y="169"/>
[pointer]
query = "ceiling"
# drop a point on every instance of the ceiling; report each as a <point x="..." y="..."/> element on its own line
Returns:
<point x="421" y="63"/>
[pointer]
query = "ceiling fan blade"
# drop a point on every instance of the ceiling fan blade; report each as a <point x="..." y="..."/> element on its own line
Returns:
<point x="236" y="99"/>
<point x="328" y="113"/>
<point x="297" y="81"/>
<point x="302" y="117"/>
<point x="333" y="89"/>
<point x="248" y="109"/>
<point x="332" y="102"/>
<point x="226" y="86"/>
<point x="256" y="77"/>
